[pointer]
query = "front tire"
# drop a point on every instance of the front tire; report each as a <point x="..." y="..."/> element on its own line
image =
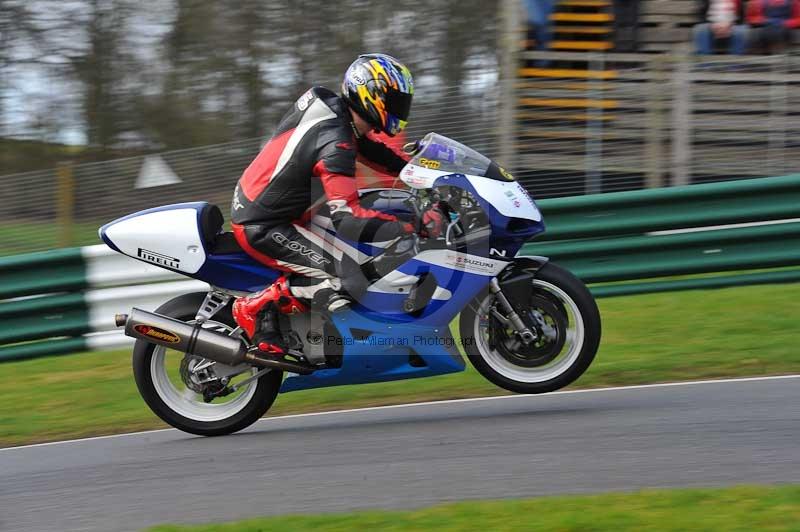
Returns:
<point x="178" y="405"/>
<point x="568" y="326"/>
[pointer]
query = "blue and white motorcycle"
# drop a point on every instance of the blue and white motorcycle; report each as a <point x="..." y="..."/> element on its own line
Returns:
<point x="524" y="323"/>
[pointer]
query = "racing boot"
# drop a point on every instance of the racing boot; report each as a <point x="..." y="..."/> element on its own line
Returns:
<point x="268" y="337"/>
<point x="257" y="314"/>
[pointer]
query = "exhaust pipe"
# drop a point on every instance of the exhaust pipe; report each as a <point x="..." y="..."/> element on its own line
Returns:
<point x="286" y="365"/>
<point x="182" y="336"/>
<point x="194" y="340"/>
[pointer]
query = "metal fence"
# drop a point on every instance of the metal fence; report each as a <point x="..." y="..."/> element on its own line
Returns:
<point x="65" y="206"/>
<point x="642" y="121"/>
<point x="628" y="122"/>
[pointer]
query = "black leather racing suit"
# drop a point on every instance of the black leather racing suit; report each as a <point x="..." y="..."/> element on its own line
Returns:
<point x="308" y="169"/>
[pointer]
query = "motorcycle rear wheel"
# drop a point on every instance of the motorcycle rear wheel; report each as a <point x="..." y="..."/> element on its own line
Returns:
<point x="568" y="328"/>
<point x="178" y="405"/>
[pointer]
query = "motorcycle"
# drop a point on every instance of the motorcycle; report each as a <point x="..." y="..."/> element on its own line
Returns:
<point x="526" y="324"/>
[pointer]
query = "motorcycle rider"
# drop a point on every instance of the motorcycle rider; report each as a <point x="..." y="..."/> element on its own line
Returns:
<point x="308" y="168"/>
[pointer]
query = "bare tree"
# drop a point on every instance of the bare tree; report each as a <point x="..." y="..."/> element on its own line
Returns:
<point x="212" y="72"/>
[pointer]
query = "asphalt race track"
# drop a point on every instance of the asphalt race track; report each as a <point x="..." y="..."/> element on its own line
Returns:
<point x="699" y="434"/>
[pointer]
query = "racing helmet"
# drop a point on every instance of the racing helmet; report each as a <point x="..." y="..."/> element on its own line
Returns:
<point x="379" y="88"/>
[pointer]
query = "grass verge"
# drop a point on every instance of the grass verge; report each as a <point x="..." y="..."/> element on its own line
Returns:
<point x="734" y="332"/>
<point x="738" y="508"/>
<point x="25" y="236"/>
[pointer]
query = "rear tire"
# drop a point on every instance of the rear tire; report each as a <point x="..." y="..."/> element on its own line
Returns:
<point x="195" y="420"/>
<point x="573" y="323"/>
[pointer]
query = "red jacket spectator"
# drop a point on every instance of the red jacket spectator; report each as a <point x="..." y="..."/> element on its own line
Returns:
<point x="783" y="12"/>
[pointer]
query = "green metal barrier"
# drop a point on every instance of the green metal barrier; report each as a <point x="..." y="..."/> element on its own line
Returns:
<point x="642" y="211"/>
<point x="616" y="237"/>
<point x="612" y="238"/>
<point x="646" y="256"/>
<point x="58" y="270"/>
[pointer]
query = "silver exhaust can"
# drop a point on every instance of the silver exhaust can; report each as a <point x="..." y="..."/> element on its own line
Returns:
<point x="184" y="337"/>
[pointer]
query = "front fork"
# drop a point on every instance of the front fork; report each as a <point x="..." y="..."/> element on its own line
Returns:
<point x="511" y="317"/>
<point x="517" y="280"/>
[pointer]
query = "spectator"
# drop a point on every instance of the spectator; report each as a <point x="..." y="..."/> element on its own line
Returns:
<point x="539" y="12"/>
<point x="772" y="22"/>
<point x="626" y="25"/>
<point x="723" y="25"/>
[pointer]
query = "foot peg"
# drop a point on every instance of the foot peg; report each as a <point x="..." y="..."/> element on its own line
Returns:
<point x="338" y="303"/>
<point x="329" y="301"/>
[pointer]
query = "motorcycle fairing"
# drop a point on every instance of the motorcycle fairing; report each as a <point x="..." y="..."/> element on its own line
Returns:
<point x="508" y="198"/>
<point x="359" y="251"/>
<point x="237" y="272"/>
<point x="459" y="277"/>
<point x="373" y="352"/>
<point x="512" y="213"/>
<point x="379" y="357"/>
<point x="166" y="236"/>
<point x="429" y="348"/>
<point x="180" y="238"/>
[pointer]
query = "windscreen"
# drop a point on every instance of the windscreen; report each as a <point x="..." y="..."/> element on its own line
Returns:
<point x="438" y="152"/>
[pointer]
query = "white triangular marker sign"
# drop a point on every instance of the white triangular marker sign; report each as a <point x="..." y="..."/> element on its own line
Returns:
<point x="155" y="172"/>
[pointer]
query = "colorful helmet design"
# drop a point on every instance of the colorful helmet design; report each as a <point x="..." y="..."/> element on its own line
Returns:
<point x="379" y="88"/>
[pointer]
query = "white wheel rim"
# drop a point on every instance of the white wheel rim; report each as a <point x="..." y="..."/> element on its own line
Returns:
<point x="188" y="403"/>
<point x="569" y="354"/>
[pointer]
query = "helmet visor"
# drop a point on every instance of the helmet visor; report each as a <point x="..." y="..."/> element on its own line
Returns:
<point x="398" y="103"/>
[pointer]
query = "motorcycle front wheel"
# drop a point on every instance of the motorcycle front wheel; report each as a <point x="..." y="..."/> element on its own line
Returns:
<point x="564" y="315"/>
<point x="173" y="388"/>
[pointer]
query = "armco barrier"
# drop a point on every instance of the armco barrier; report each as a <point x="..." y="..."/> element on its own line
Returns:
<point x="63" y="301"/>
<point x="713" y="228"/>
<point x="643" y="211"/>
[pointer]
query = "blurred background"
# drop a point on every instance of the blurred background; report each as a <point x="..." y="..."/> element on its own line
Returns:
<point x="659" y="138"/>
<point x="110" y="106"/>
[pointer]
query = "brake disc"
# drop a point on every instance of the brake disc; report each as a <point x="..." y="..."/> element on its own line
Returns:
<point x="550" y="325"/>
<point x="196" y="381"/>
